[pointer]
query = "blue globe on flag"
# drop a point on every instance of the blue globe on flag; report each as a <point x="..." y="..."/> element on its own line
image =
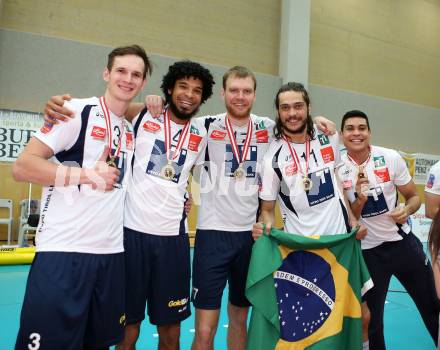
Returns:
<point x="305" y="291"/>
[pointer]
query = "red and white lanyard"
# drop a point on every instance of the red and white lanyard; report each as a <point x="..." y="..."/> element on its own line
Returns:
<point x="363" y="165"/>
<point x="296" y="158"/>
<point x="167" y="130"/>
<point x="233" y="141"/>
<point x="108" y="124"/>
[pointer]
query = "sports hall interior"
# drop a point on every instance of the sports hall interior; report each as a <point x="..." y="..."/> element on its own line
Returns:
<point x="379" y="56"/>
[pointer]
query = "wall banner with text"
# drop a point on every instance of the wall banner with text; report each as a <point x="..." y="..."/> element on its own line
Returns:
<point x="16" y="129"/>
<point x="419" y="165"/>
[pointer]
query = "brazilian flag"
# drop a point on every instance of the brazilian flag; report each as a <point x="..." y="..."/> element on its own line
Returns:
<point x="306" y="292"/>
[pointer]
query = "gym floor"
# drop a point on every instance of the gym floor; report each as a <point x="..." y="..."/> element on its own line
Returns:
<point x="404" y="329"/>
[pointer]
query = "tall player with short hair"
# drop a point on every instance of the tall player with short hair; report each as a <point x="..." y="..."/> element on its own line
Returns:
<point x="75" y="291"/>
<point x="237" y="141"/>
<point x="371" y="177"/>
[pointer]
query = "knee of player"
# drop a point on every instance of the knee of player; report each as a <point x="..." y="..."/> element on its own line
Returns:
<point x="205" y="334"/>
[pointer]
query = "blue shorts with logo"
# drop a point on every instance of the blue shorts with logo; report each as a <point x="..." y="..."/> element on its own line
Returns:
<point x="72" y="301"/>
<point x="157" y="275"/>
<point x="220" y="256"/>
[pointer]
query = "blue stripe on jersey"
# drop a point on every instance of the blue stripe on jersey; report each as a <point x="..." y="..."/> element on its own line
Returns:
<point x="208" y="122"/>
<point x="345" y="213"/>
<point x="135" y="131"/>
<point x="283" y="186"/>
<point x="138" y="121"/>
<point x="76" y="152"/>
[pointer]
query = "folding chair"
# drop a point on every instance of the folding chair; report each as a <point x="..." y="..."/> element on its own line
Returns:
<point x="29" y="217"/>
<point x="7" y="204"/>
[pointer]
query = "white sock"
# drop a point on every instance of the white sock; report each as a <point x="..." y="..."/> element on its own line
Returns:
<point x="366" y="345"/>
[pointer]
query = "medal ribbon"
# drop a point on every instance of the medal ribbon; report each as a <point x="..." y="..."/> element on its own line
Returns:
<point x="296" y="158"/>
<point x="356" y="163"/>
<point x="167" y="127"/>
<point x="233" y="141"/>
<point x="108" y="124"/>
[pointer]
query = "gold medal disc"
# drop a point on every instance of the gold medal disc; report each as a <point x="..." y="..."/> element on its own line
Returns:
<point x="168" y="172"/>
<point x="307" y="184"/>
<point x="239" y="173"/>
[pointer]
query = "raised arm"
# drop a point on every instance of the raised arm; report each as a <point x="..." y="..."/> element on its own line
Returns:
<point x="55" y="111"/>
<point x="324" y="125"/>
<point x="133" y="110"/>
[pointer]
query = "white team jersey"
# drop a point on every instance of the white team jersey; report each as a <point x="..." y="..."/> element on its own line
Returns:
<point x="319" y="211"/>
<point x="77" y="218"/>
<point x="227" y="203"/>
<point x="154" y="204"/>
<point x="433" y="181"/>
<point x="385" y="170"/>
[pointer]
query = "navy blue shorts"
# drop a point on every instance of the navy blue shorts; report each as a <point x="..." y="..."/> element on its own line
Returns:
<point x="157" y="274"/>
<point x="220" y="256"/>
<point x="73" y="300"/>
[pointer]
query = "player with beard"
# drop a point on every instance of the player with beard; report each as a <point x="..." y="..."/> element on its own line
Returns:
<point x="155" y="233"/>
<point x="299" y="169"/>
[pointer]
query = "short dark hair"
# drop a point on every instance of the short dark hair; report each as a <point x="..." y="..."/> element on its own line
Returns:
<point x="354" y="114"/>
<point x="130" y="50"/>
<point x="297" y="87"/>
<point x="239" y="72"/>
<point x="187" y="69"/>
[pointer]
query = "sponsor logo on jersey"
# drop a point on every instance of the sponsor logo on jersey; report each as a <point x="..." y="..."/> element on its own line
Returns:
<point x="129" y="140"/>
<point x="431" y="180"/>
<point x="218" y="135"/>
<point x="323" y="139"/>
<point x="260" y="125"/>
<point x="46" y="128"/>
<point x="290" y="169"/>
<point x="194" y="142"/>
<point x="327" y="154"/>
<point x="347" y="184"/>
<point x="194" y="130"/>
<point x="382" y="175"/>
<point x="98" y="132"/>
<point x="379" y="161"/>
<point x="178" y="303"/>
<point x="151" y="126"/>
<point x="262" y="136"/>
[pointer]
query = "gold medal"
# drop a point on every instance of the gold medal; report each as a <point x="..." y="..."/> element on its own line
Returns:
<point x="168" y="172"/>
<point x="111" y="162"/>
<point x="239" y="173"/>
<point x="307" y="183"/>
<point x="112" y="158"/>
